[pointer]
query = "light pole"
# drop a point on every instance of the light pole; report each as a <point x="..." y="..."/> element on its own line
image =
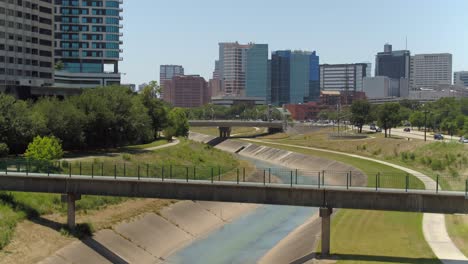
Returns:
<point x="212" y="113"/>
<point x="425" y="124"/>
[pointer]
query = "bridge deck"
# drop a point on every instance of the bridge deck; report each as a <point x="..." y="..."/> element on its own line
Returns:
<point x="235" y="123"/>
<point x="259" y="193"/>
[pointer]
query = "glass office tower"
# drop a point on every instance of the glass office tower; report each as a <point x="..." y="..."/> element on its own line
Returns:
<point x="294" y="77"/>
<point x="87" y="42"/>
<point x="256" y="77"/>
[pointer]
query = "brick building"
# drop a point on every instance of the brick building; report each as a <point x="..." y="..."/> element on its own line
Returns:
<point x="186" y="91"/>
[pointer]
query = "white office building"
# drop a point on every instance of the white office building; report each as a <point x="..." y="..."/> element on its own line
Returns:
<point x="430" y="70"/>
<point x="343" y="77"/>
<point x="461" y="78"/>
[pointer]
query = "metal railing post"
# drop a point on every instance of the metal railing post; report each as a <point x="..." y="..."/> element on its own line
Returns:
<point x="48" y="169"/>
<point x="80" y="168"/>
<point x="350" y="178"/>
<point x="376" y="181"/>
<point x="407" y="182"/>
<point x="437" y="184"/>
<point x="219" y="173"/>
<point x="347" y="181"/>
<point x="243" y="174"/>
<point x="291" y="178"/>
<point x="147" y="170"/>
<point x="264" y="177"/>
<point x="102" y="169"/>
<point x="269" y="175"/>
<point x="138" y="173"/>
<point x="69" y="169"/>
<point x="318" y="182"/>
<point x="186" y="173"/>
<point x="115" y="171"/>
<point x="212" y="174"/>
<point x="92" y="170"/>
<point x="125" y="169"/>
<point x="466" y="188"/>
<point x="323" y="178"/>
<point x="237" y="175"/>
<point x="194" y="173"/>
<point x="162" y="173"/>
<point x="296" y="176"/>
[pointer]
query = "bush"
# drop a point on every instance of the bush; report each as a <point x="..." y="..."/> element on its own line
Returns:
<point x="4" y="150"/>
<point x="437" y="165"/>
<point x="44" y="149"/>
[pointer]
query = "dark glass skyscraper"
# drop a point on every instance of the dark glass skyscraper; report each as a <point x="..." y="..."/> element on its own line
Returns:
<point x="87" y="41"/>
<point x="294" y="77"/>
<point x="393" y="64"/>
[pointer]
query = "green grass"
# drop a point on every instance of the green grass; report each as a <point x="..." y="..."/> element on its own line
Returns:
<point x="360" y="236"/>
<point x="16" y="206"/>
<point x="457" y="227"/>
<point x="156" y="143"/>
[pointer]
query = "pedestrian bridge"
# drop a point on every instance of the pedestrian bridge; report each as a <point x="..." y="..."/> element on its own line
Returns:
<point x="226" y="125"/>
<point x="322" y="196"/>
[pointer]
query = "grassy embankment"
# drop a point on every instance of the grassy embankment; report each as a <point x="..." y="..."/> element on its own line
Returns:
<point x="375" y="236"/>
<point x="448" y="160"/>
<point x="15" y="206"/>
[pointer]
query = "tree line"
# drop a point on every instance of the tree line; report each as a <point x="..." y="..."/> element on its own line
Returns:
<point x="103" y="117"/>
<point x="449" y="115"/>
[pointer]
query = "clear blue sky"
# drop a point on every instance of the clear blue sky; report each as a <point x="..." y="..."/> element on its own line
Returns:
<point x="187" y="32"/>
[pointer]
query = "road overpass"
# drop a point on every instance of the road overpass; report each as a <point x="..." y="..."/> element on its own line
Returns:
<point x="324" y="197"/>
<point x="226" y="125"/>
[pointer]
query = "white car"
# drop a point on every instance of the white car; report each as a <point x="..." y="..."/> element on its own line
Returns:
<point x="463" y="140"/>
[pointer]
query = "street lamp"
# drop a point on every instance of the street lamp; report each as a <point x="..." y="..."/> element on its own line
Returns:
<point x="425" y="124"/>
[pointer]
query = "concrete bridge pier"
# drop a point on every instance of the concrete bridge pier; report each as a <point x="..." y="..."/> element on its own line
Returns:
<point x="325" y="214"/>
<point x="224" y="132"/>
<point x="70" y="199"/>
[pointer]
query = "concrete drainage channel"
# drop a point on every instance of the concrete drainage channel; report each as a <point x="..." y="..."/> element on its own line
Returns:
<point x="174" y="235"/>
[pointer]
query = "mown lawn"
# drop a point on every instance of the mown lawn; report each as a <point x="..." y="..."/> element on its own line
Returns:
<point x="360" y="236"/>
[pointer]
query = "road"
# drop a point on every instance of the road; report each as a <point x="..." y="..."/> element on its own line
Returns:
<point x="414" y="134"/>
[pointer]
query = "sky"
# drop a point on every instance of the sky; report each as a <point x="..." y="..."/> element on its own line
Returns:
<point x="187" y="32"/>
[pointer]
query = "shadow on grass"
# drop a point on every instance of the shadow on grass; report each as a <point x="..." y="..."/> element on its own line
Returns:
<point x="83" y="231"/>
<point x="369" y="258"/>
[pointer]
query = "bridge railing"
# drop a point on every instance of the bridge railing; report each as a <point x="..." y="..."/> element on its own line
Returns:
<point x="318" y="178"/>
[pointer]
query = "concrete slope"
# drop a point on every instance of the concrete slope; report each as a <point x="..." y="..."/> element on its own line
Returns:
<point x="434" y="227"/>
<point x="150" y="238"/>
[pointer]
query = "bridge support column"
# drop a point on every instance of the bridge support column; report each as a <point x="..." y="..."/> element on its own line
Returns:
<point x="70" y="199"/>
<point x="325" y="214"/>
<point x="224" y="132"/>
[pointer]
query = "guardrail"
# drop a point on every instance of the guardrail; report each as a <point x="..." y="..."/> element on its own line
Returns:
<point x="266" y="176"/>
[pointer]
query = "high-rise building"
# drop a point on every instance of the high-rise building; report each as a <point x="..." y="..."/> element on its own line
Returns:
<point x="461" y="78"/>
<point x="87" y="42"/>
<point x="294" y="77"/>
<point x="186" y="91"/>
<point x="393" y="64"/>
<point x="232" y="63"/>
<point x="430" y="70"/>
<point x="256" y="77"/>
<point x="167" y="72"/>
<point x="26" y="46"/>
<point x="343" y="77"/>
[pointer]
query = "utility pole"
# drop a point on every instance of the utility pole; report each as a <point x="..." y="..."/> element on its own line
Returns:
<point x="425" y="124"/>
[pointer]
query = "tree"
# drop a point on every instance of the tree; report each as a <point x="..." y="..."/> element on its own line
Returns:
<point x="58" y="66"/>
<point x="157" y="109"/>
<point x="44" y="149"/>
<point x="4" y="150"/>
<point x="417" y="119"/>
<point x="178" y="122"/>
<point x="389" y="116"/>
<point x="360" y="110"/>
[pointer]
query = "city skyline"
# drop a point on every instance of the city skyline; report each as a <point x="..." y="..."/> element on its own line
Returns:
<point x="192" y="40"/>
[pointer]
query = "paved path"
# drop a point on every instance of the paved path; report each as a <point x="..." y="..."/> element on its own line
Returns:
<point x="434" y="229"/>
